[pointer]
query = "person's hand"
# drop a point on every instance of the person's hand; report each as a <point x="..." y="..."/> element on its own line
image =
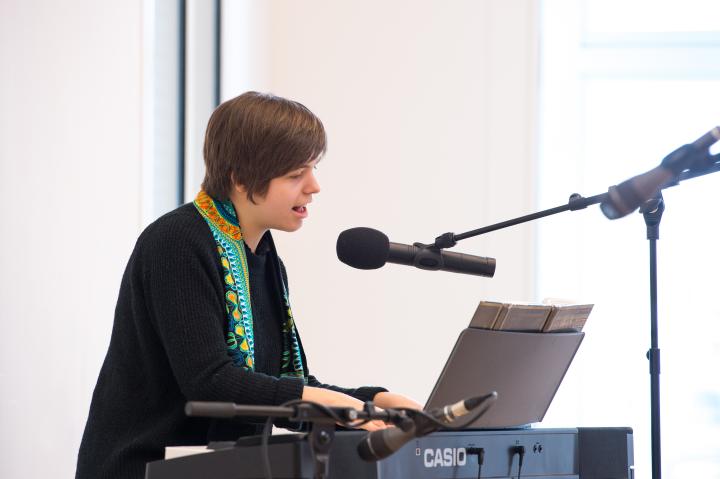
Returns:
<point x="330" y="398"/>
<point x="388" y="400"/>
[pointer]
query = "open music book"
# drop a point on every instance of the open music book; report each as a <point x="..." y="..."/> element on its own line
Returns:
<point x="530" y="317"/>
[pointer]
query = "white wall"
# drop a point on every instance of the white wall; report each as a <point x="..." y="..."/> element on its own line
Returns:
<point x="430" y="112"/>
<point x="429" y="109"/>
<point x="70" y="149"/>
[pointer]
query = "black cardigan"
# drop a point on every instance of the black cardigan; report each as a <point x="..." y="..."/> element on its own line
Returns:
<point x="167" y="347"/>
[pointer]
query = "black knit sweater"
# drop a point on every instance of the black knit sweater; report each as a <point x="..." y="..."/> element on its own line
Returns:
<point x="168" y="347"/>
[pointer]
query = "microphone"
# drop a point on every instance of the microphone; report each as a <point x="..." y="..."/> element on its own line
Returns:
<point x="210" y="409"/>
<point x="380" y="444"/>
<point x="631" y="194"/>
<point x="367" y="248"/>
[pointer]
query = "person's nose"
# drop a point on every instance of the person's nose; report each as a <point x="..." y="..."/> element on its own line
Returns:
<point x="312" y="185"/>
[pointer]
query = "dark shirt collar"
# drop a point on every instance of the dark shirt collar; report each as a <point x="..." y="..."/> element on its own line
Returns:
<point x="227" y="210"/>
<point x="263" y="245"/>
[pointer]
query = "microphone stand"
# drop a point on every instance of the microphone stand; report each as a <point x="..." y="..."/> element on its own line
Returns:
<point x="652" y="211"/>
<point x="323" y="421"/>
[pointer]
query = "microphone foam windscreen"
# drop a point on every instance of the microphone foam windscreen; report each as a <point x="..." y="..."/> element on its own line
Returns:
<point x="363" y="248"/>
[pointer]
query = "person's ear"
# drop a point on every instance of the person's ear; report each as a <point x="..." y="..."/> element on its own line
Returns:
<point x="237" y="187"/>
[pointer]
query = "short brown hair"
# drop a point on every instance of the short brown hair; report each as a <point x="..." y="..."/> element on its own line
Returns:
<point x="256" y="137"/>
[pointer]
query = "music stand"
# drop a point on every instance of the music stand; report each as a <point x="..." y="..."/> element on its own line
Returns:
<point x="525" y="369"/>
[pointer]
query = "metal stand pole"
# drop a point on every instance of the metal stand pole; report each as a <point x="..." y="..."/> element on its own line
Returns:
<point x="652" y="211"/>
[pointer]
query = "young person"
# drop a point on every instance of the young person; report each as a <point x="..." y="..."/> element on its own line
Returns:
<point x="203" y="311"/>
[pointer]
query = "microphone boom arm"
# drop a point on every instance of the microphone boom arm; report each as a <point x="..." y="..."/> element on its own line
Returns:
<point x="576" y="202"/>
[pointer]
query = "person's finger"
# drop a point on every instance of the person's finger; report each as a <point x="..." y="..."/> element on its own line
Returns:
<point x="370" y="427"/>
<point x="379" y="424"/>
<point x="374" y="426"/>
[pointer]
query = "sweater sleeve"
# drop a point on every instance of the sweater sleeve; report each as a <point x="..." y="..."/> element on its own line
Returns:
<point x="184" y="294"/>
<point x="363" y="393"/>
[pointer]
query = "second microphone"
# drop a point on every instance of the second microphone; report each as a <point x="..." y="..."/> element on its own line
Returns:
<point x="366" y="248"/>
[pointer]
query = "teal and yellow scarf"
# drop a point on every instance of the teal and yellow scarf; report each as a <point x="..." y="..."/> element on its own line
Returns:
<point x="225" y="228"/>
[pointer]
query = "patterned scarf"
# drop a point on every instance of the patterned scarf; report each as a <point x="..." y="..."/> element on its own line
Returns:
<point x="225" y="228"/>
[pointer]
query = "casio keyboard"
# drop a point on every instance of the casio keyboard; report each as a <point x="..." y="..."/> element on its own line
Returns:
<point x="577" y="453"/>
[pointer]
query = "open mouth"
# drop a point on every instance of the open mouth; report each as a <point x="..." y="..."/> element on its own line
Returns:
<point x="300" y="209"/>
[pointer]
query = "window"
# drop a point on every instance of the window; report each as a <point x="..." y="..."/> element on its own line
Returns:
<point x="623" y="84"/>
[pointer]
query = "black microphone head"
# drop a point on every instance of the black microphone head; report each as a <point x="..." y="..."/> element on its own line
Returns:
<point x="366" y="448"/>
<point x="363" y="248"/>
<point x="380" y="444"/>
<point x="621" y="200"/>
<point x="629" y="195"/>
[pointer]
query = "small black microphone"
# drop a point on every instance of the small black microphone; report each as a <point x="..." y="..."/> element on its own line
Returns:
<point x="366" y="248"/>
<point x="380" y="444"/>
<point x="210" y="409"/>
<point x="631" y="194"/>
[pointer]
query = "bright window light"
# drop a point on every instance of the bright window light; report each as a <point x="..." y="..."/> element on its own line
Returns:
<point x="624" y="84"/>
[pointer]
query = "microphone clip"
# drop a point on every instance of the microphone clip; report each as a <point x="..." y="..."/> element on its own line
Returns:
<point x="428" y="256"/>
<point x="652" y="211"/>
<point x="404" y="422"/>
<point x="445" y="240"/>
<point x="398" y="417"/>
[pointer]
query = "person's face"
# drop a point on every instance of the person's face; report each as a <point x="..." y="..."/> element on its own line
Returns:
<point x="286" y="203"/>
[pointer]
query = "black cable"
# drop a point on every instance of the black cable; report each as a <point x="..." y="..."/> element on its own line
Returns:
<point x="267" y="429"/>
<point x="481" y="461"/>
<point x="520" y="451"/>
<point x="480" y="453"/>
